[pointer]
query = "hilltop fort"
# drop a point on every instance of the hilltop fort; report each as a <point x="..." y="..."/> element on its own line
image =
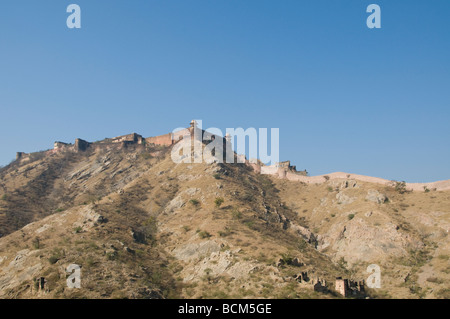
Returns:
<point x="282" y="170"/>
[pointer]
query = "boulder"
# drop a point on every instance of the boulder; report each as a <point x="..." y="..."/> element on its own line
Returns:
<point x="376" y="197"/>
<point x="344" y="199"/>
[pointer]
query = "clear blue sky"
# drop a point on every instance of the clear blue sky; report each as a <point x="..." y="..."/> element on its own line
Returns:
<point x="346" y="98"/>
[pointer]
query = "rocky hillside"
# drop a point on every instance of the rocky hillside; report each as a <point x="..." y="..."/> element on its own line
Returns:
<point x="141" y="226"/>
<point x="357" y="223"/>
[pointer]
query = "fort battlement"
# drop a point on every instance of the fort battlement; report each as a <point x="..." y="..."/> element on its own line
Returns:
<point x="119" y="142"/>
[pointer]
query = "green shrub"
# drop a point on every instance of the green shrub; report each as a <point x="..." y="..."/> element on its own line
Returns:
<point x="194" y="202"/>
<point x="350" y="216"/>
<point x="342" y="263"/>
<point x="149" y="229"/>
<point x="186" y="228"/>
<point x="236" y="214"/>
<point x="225" y="232"/>
<point x="204" y="234"/>
<point x="57" y="254"/>
<point x="36" y="243"/>
<point x="218" y="201"/>
<point x="302" y="244"/>
<point x="250" y="224"/>
<point x="208" y="271"/>
<point x="286" y="258"/>
<point x="90" y="262"/>
<point x="248" y="197"/>
<point x="111" y="255"/>
<point x="400" y="187"/>
<point x="146" y="156"/>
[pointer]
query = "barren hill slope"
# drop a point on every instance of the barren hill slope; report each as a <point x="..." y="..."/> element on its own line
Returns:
<point x="359" y="223"/>
<point x="141" y="226"/>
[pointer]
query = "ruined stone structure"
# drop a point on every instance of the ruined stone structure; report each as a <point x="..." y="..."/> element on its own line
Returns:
<point x="20" y="156"/>
<point x="40" y="284"/>
<point x="350" y="288"/>
<point x="60" y="145"/>
<point x="317" y="283"/>
<point x="342" y="286"/>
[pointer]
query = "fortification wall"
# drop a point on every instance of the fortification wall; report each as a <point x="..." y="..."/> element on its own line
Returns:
<point x="165" y="140"/>
<point x="439" y="185"/>
<point x="119" y="142"/>
<point x="269" y="170"/>
<point x="281" y="170"/>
